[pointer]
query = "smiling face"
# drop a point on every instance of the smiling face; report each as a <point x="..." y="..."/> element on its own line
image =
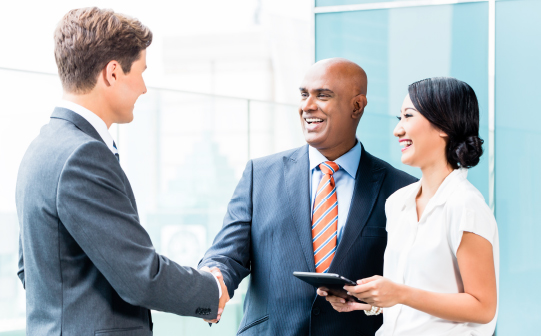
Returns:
<point x="332" y="103"/>
<point x="126" y="90"/>
<point x="422" y="143"/>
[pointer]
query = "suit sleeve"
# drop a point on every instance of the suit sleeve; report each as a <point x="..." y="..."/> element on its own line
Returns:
<point x="20" y="272"/>
<point x="231" y="251"/>
<point x="94" y="207"/>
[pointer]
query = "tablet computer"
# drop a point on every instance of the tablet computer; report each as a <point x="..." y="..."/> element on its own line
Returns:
<point x="334" y="282"/>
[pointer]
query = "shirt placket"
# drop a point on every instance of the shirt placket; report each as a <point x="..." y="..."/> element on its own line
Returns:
<point x="413" y="227"/>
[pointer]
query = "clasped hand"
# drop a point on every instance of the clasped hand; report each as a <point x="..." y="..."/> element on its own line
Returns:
<point x="225" y="294"/>
<point x="375" y="291"/>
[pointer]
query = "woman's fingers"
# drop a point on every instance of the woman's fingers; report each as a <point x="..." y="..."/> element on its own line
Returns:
<point x="364" y="284"/>
<point x="359" y="288"/>
<point x="368" y="288"/>
<point x="364" y="295"/>
<point x="370" y="302"/>
<point x="367" y="280"/>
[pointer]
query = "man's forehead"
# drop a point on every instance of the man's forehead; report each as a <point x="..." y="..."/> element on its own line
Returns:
<point x="335" y="74"/>
<point x="322" y="81"/>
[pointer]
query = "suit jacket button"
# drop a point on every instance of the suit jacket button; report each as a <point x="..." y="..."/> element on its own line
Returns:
<point x="316" y="311"/>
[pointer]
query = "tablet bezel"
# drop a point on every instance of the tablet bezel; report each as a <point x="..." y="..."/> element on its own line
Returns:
<point x="334" y="282"/>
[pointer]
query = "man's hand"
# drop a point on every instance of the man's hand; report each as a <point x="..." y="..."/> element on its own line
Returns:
<point x="339" y="304"/>
<point x="225" y="294"/>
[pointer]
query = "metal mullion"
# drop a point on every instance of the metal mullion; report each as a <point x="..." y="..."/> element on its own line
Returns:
<point x="389" y="5"/>
<point x="313" y="30"/>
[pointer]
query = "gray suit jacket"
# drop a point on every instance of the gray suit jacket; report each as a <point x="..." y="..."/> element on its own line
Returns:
<point x="88" y="266"/>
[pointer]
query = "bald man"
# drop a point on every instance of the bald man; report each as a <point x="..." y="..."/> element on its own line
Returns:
<point x="317" y="208"/>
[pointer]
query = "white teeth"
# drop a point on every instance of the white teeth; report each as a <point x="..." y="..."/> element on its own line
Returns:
<point x="314" y="120"/>
<point x="406" y="143"/>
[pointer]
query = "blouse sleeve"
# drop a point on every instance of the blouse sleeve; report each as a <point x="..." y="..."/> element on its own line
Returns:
<point x="471" y="214"/>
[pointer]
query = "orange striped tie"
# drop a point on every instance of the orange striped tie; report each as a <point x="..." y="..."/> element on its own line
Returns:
<point x="325" y="218"/>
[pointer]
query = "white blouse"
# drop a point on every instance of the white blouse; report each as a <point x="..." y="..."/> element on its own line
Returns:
<point x="422" y="254"/>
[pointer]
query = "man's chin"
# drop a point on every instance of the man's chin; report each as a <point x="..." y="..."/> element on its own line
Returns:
<point x="314" y="140"/>
<point x="126" y="118"/>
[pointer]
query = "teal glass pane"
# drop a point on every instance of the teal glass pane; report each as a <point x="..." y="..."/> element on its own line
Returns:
<point x="518" y="165"/>
<point x="399" y="46"/>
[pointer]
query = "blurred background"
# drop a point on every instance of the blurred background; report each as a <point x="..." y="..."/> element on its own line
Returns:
<point x="223" y="83"/>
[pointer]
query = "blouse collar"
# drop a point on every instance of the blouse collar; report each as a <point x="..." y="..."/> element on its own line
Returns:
<point x="444" y="192"/>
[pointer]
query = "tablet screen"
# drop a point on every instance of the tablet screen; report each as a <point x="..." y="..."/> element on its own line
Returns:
<point x="334" y="282"/>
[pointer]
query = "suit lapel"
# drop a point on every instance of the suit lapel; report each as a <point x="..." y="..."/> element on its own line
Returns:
<point x="367" y="184"/>
<point x="297" y="181"/>
<point x="77" y="120"/>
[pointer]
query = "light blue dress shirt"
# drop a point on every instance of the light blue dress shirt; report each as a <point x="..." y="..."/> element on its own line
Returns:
<point x="344" y="180"/>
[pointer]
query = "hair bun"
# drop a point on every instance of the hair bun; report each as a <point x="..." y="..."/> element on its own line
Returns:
<point x="467" y="152"/>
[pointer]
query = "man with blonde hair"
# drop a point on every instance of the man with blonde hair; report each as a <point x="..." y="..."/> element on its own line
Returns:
<point x="87" y="264"/>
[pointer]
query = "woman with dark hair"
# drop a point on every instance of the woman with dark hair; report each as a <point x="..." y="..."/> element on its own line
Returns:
<point x="441" y="264"/>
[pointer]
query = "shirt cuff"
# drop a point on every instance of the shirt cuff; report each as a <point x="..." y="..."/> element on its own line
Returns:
<point x="219" y="286"/>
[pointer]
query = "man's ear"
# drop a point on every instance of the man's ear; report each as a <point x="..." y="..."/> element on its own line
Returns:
<point x="110" y="73"/>
<point x="359" y="103"/>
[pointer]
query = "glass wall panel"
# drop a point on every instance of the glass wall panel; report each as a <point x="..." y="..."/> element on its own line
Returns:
<point x="320" y="3"/>
<point x="20" y="121"/>
<point x="518" y="164"/>
<point x="273" y="128"/>
<point x="399" y="46"/>
<point x="179" y="144"/>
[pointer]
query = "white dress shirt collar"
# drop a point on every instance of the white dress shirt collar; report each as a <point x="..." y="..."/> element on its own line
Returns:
<point x="96" y="122"/>
<point x="349" y="162"/>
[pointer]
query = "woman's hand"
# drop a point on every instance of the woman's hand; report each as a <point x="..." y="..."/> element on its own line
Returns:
<point x="340" y="304"/>
<point x="377" y="291"/>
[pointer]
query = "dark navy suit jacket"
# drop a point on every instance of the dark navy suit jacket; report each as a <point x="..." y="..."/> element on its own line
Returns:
<point x="267" y="233"/>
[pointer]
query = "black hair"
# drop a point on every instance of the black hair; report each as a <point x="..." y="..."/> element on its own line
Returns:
<point x="451" y="105"/>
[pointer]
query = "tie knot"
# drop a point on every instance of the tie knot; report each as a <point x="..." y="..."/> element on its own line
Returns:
<point x="329" y="167"/>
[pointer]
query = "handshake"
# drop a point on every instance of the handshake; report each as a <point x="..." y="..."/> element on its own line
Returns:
<point x="224" y="298"/>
